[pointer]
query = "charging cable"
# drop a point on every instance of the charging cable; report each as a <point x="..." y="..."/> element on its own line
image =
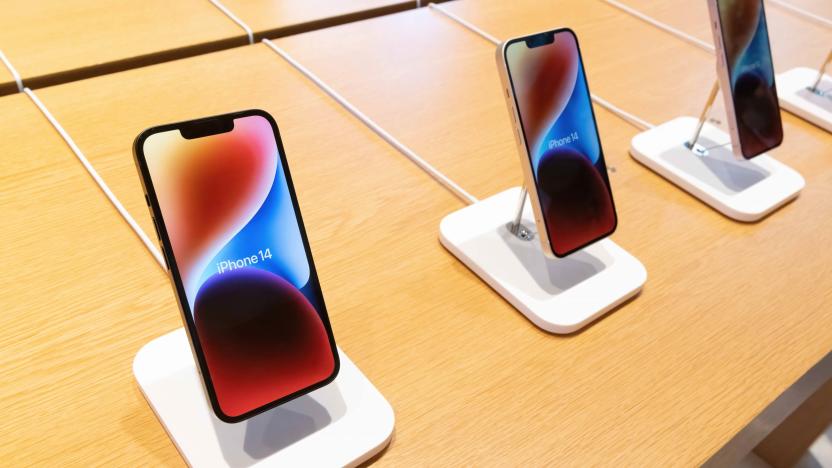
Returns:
<point x="13" y="71"/>
<point x="151" y="246"/>
<point x="384" y="134"/>
<point x="664" y="27"/>
<point x="235" y="19"/>
<point x="804" y="13"/>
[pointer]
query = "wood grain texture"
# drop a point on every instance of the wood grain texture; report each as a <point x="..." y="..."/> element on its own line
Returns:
<point x="80" y="296"/>
<point x="732" y="314"/>
<point x="54" y="41"/>
<point x="674" y="374"/>
<point x="269" y="18"/>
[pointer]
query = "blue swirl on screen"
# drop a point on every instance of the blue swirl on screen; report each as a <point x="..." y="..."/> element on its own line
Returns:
<point x="273" y="226"/>
<point x="576" y="118"/>
<point x="756" y="58"/>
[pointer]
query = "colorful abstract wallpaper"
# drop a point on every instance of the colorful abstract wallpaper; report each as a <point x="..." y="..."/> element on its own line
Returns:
<point x="562" y="138"/>
<point x="229" y="215"/>
<point x="745" y="37"/>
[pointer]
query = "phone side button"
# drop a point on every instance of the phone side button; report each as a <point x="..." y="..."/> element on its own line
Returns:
<point x="159" y="237"/>
<point x="156" y="228"/>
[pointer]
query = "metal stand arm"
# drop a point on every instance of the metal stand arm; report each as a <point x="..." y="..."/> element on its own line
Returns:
<point x="822" y="70"/>
<point x="516" y="225"/>
<point x="703" y="116"/>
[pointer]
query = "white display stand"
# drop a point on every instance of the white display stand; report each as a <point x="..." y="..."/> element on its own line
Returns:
<point x="343" y="423"/>
<point x="745" y="190"/>
<point x="557" y="295"/>
<point x="793" y="88"/>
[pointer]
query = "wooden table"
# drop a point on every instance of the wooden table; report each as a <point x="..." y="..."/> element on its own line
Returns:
<point x="270" y="18"/>
<point x="732" y="315"/>
<point x="79" y="297"/>
<point x="54" y="41"/>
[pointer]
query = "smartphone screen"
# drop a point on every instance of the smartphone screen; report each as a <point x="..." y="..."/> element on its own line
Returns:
<point x="558" y="124"/>
<point x="750" y="75"/>
<point x="227" y="215"/>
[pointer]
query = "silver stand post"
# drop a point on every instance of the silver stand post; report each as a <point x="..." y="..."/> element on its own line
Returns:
<point x="822" y="70"/>
<point x="516" y="226"/>
<point x="691" y="144"/>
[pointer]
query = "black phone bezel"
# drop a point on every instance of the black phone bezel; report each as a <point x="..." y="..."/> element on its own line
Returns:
<point x="554" y="33"/>
<point x="176" y="279"/>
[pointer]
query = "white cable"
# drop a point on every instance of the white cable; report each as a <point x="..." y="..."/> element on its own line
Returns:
<point x="472" y="27"/>
<point x="235" y="19"/>
<point x="626" y="116"/>
<point x="98" y="180"/>
<point x="410" y="154"/>
<point x="664" y="27"/>
<point x="806" y="14"/>
<point x="13" y="71"/>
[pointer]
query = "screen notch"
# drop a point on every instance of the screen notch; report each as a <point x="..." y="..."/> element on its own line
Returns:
<point x="537" y="40"/>
<point x="206" y="127"/>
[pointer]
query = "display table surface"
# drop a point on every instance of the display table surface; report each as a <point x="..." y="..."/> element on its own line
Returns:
<point x="54" y="41"/>
<point x="271" y="18"/>
<point x="732" y="315"/>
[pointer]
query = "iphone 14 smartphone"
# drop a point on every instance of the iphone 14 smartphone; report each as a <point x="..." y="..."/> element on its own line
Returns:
<point x="226" y="215"/>
<point x="746" y="75"/>
<point x="557" y="138"/>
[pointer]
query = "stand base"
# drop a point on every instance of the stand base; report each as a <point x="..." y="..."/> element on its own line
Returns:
<point x="795" y="96"/>
<point x="743" y="190"/>
<point x="558" y="295"/>
<point x="343" y="423"/>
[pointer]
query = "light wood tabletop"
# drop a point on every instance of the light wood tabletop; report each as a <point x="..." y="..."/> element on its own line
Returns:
<point x="54" y="41"/>
<point x="732" y="314"/>
<point x="80" y="298"/>
<point x="269" y="18"/>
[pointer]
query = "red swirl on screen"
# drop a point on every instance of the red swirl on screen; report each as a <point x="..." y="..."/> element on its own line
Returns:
<point x="261" y="337"/>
